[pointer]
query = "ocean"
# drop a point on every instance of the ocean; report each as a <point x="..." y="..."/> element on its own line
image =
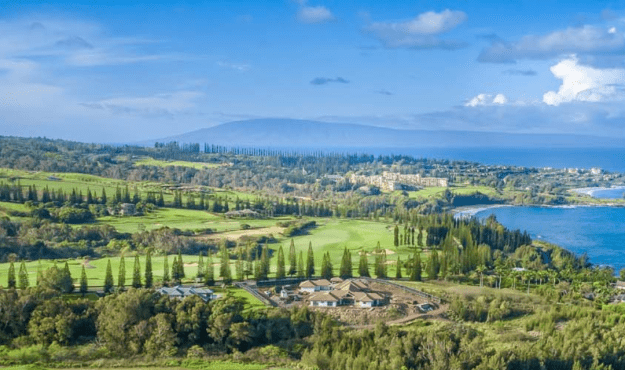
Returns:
<point x="597" y="231"/>
<point x="609" y="159"/>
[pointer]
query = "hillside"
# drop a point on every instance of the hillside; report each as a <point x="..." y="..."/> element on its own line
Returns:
<point x="289" y="133"/>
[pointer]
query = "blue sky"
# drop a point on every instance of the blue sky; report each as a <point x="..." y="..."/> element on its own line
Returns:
<point x="124" y="72"/>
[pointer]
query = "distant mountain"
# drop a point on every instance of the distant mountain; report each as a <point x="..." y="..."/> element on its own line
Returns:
<point x="289" y="133"/>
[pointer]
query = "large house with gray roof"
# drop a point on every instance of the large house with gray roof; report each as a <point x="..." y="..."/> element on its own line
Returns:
<point x="351" y="292"/>
<point x="181" y="292"/>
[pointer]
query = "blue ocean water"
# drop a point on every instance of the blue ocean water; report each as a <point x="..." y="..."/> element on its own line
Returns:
<point x="597" y="231"/>
<point x="610" y="159"/>
<point x="616" y="193"/>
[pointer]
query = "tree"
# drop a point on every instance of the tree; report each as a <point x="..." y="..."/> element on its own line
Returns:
<point x="108" y="278"/>
<point x="224" y="269"/>
<point x="292" y="259"/>
<point x="200" y="266"/>
<point x="380" y="264"/>
<point x="83" y="281"/>
<point x="398" y="271"/>
<point x="310" y="262"/>
<point x="363" y="265"/>
<point x="420" y="238"/>
<point x="396" y="236"/>
<point x="166" y="270"/>
<point x="622" y="274"/>
<point x="121" y="275"/>
<point x="57" y="279"/>
<point x="264" y="263"/>
<point x="23" y="276"/>
<point x="280" y="269"/>
<point x="346" y="265"/>
<point x="136" y="275"/>
<point x="209" y="273"/>
<point x="433" y="266"/>
<point x="149" y="277"/>
<point x="326" y="266"/>
<point x="181" y="273"/>
<point x="11" y="283"/>
<point x="415" y="273"/>
<point x="239" y="267"/>
<point x="300" y="265"/>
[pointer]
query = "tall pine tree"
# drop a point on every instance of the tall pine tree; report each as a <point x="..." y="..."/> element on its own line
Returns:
<point x="310" y="262"/>
<point x="363" y="265"/>
<point x="83" y="281"/>
<point x="108" y="278"/>
<point x="224" y="269"/>
<point x="23" y="276"/>
<point x="149" y="277"/>
<point x="264" y="263"/>
<point x="346" y="265"/>
<point x="121" y="276"/>
<point x="166" y="270"/>
<point x="326" y="266"/>
<point x="415" y="272"/>
<point x="280" y="269"/>
<point x="292" y="259"/>
<point x="11" y="281"/>
<point x="136" y="274"/>
<point x="300" y="265"/>
<point x="209" y="272"/>
<point x="200" y="266"/>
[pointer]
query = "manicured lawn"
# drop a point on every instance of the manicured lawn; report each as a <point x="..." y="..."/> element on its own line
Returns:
<point x="184" y="219"/>
<point x="333" y="235"/>
<point x="437" y="192"/>
<point x="159" y="163"/>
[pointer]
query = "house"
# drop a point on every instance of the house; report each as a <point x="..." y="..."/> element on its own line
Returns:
<point x="336" y="280"/>
<point x="311" y="286"/>
<point x="308" y="287"/>
<point x="181" y="292"/>
<point x="324" y="299"/>
<point x="353" y="286"/>
<point x="127" y="209"/>
<point x="366" y="300"/>
<point x="284" y="294"/>
<point x="619" y="285"/>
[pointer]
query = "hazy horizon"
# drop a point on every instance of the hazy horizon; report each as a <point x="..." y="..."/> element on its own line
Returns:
<point x="126" y="73"/>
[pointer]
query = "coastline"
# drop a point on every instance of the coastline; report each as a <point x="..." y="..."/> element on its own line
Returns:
<point x="592" y="191"/>
<point x="470" y="211"/>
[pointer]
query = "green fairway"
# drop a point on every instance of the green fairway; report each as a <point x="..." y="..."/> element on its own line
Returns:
<point x="159" y="163"/>
<point x="82" y="183"/>
<point x="184" y="219"/>
<point x="333" y="235"/>
<point x="438" y="191"/>
<point x="96" y="269"/>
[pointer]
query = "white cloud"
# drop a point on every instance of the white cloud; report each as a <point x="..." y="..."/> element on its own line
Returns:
<point x="584" y="83"/>
<point x="486" y="100"/>
<point x="587" y="39"/>
<point x="314" y="14"/>
<point x="500" y="99"/>
<point x="171" y="104"/>
<point x="241" y="67"/>
<point x="421" y="32"/>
